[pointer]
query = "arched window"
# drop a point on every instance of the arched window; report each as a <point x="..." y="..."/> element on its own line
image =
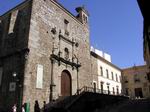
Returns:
<point x="66" y="54"/>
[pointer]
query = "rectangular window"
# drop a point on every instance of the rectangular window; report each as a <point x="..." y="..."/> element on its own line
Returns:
<point x="148" y="77"/>
<point x="107" y="74"/>
<point x="39" y="78"/>
<point x="113" y="90"/>
<point x="127" y="91"/>
<point x="108" y="88"/>
<point x="112" y="75"/>
<point x="101" y="70"/>
<point x="66" y="23"/>
<point x="101" y="83"/>
<point x="117" y="90"/>
<point x="1" y="73"/>
<point x="120" y="78"/>
<point x="125" y="79"/>
<point x="136" y="78"/>
<point x="13" y="19"/>
<point x="116" y="77"/>
<point x="94" y="84"/>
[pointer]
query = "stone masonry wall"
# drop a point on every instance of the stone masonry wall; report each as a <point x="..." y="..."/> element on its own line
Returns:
<point x="45" y="16"/>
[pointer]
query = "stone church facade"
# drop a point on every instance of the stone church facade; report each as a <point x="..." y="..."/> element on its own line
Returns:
<point x="44" y="53"/>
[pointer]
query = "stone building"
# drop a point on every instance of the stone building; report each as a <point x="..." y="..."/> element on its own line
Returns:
<point x="135" y="82"/>
<point x="44" y="53"/>
<point x="106" y="76"/>
<point x="144" y="6"/>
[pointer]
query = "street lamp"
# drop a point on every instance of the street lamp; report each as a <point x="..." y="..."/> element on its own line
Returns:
<point x="14" y="74"/>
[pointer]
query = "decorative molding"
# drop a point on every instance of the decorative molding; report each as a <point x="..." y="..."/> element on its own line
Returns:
<point x="68" y="62"/>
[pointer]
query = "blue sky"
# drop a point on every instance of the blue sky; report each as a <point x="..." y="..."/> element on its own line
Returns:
<point x="5" y="5"/>
<point x="116" y="27"/>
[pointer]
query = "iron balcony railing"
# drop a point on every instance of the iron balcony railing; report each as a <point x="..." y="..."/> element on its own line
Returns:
<point x="96" y="90"/>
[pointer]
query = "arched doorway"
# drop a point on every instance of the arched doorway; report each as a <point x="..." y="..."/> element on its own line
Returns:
<point x="66" y="83"/>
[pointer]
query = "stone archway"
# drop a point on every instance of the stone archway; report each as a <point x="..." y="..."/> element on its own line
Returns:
<point x="66" y="83"/>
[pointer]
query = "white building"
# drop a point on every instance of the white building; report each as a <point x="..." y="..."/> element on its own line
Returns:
<point x="106" y="76"/>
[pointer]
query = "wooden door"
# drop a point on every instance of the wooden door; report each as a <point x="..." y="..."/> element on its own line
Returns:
<point x="65" y="83"/>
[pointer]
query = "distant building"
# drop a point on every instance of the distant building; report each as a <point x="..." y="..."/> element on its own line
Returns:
<point x="145" y="8"/>
<point x="106" y="76"/>
<point x="44" y="53"/>
<point x="136" y="82"/>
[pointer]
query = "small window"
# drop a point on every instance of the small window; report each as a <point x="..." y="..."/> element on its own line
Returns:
<point x="117" y="90"/>
<point x="112" y="75"/>
<point x="127" y="91"/>
<point x="113" y="90"/>
<point x="136" y="78"/>
<point x="116" y="77"/>
<point x="85" y="18"/>
<point x="125" y="79"/>
<point x="108" y="85"/>
<point x="94" y="84"/>
<point x="101" y="71"/>
<point x="102" y="84"/>
<point x="107" y="74"/>
<point x="66" y="53"/>
<point x="120" y="78"/>
<point x="66" y="23"/>
<point x="148" y="77"/>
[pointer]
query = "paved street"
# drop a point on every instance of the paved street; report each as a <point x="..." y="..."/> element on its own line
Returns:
<point x="140" y="105"/>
